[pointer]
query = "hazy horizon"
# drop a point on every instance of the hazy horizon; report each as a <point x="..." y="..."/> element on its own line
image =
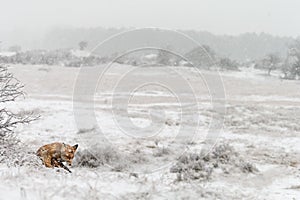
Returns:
<point x="232" y="17"/>
<point x="35" y="24"/>
<point x="45" y="30"/>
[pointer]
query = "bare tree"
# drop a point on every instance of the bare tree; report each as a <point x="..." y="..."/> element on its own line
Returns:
<point x="202" y="56"/>
<point x="10" y="90"/>
<point x="271" y="61"/>
<point x="227" y="64"/>
<point x="83" y="45"/>
<point x="291" y="68"/>
<point x="165" y="56"/>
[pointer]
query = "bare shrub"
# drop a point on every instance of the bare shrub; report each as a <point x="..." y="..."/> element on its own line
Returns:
<point x="86" y="130"/>
<point x="33" y="112"/>
<point x="247" y="167"/>
<point x="10" y="90"/>
<point x="192" y="167"/>
<point x="222" y="153"/>
<point x="161" y="151"/>
<point x="294" y="187"/>
<point x="96" y="156"/>
<point x="196" y="167"/>
<point x="11" y="151"/>
<point x="44" y="69"/>
<point x="99" y="155"/>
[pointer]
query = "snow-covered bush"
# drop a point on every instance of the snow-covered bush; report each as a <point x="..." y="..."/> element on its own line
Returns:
<point x="104" y="155"/>
<point x="194" y="166"/>
<point x="96" y="156"/>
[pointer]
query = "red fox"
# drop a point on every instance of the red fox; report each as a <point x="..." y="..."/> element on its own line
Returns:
<point x="54" y="154"/>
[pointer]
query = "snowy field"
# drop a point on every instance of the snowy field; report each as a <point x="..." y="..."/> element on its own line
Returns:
<point x="256" y="155"/>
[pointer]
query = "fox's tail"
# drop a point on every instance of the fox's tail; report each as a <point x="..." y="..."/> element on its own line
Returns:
<point x="39" y="152"/>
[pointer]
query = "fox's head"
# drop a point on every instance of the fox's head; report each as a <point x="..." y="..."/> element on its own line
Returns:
<point x="68" y="152"/>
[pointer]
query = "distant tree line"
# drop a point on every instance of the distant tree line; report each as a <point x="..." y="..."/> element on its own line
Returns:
<point x="55" y="57"/>
<point x="203" y="57"/>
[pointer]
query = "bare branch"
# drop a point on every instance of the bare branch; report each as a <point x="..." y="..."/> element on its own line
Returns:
<point x="10" y="89"/>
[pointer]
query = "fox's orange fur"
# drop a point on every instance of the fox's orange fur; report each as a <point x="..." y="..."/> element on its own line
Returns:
<point x="54" y="154"/>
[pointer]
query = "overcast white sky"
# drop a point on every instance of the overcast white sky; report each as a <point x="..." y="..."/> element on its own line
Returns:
<point x="278" y="17"/>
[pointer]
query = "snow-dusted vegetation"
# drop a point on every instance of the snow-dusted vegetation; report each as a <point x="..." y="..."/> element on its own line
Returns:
<point x="256" y="156"/>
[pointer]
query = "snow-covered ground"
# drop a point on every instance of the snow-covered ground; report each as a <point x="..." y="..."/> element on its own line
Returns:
<point x="261" y="123"/>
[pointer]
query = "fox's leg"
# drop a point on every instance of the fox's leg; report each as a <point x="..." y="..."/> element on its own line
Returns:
<point x="55" y="163"/>
<point x="48" y="162"/>
<point x="45" y="157"/>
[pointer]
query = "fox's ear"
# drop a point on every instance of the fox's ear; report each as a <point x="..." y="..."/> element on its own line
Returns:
<point x="75" y="146"/>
